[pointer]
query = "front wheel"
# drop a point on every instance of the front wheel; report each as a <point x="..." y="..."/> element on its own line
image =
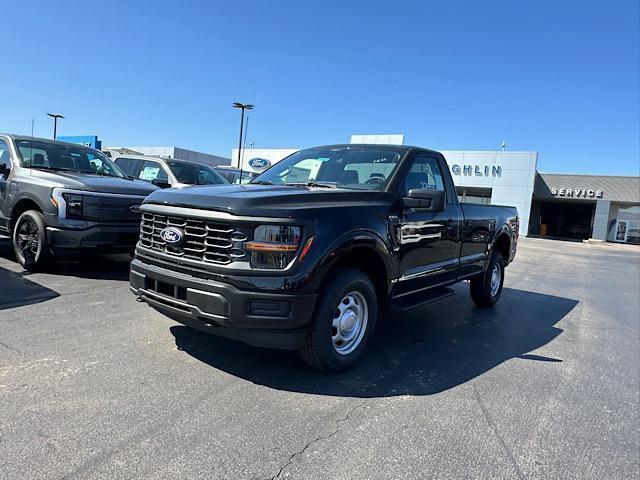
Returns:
<point x="30" y="240"/>
<point x="487" y="288"/>
<point x="343" y="322"/>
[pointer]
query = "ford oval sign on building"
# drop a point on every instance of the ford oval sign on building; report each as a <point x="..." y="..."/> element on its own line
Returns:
<point x="259" y="163"/>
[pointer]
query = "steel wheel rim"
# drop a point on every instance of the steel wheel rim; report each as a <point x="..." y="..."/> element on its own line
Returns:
<point x="349" y="323"/>
<point x="496" y="275"/>
<point x="28" y="239"/>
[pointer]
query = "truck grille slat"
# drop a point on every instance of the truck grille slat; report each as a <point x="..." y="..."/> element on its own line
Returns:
<point x="209" y="242"/>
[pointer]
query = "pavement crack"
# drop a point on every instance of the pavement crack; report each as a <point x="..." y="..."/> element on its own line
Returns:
<point x="10" y="347"/>
<point x="496" y="432"/>
<point x="339" y="421"/>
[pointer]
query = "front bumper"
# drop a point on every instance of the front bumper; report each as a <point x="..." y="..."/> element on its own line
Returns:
<point x="103" y="237"/>
<point x="266" y="319"/>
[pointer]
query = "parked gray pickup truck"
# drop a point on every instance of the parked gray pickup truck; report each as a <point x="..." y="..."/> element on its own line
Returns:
<point x="58" y="197"/>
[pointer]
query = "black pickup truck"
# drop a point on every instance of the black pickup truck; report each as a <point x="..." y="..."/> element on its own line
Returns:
<point x="309" y="253"/>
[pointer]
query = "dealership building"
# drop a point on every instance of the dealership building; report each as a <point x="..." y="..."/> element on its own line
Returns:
<point x="577" y="207"/>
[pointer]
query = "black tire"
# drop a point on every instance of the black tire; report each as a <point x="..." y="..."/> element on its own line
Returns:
<point x="482" y="292"/>
<point x="30" y="240"/>
<point x="320" y="349"/>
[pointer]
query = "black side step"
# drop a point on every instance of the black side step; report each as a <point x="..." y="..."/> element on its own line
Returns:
<point x="415" y="300"/>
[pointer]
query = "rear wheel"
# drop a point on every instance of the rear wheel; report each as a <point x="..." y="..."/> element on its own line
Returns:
<point x="343" y="322"/>
<point x="30" y="240"/>
<point x="486" y="289"/>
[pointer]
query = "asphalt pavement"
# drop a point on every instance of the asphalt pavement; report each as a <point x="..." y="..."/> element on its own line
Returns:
<point x="544" y="386"/>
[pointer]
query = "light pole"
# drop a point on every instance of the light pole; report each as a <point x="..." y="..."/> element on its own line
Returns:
<point x="243" y="107"/>
<point x="55" y="117"/>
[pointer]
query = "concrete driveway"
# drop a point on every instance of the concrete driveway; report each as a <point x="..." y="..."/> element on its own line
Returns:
<point x="543" y="386"/>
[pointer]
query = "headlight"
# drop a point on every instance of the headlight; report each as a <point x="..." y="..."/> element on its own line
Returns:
<point x="74" y="205"/>
<point x="273" y="246"/>
<point x="69" y="204"/>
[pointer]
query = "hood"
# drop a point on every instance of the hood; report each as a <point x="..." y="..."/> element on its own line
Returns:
<point x="94" y="183"/>
<point x="264" y="200"/>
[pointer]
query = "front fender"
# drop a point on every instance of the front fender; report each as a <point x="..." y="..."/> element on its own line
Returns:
<point x="28" y="195"/>
<point x="349" y="242"/>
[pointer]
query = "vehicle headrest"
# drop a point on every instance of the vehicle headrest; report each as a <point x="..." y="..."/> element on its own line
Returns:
<point x="349" y="176"/>
<point x="37" y="160"/>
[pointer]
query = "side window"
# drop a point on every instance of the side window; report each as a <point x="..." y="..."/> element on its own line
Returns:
<point x="33" y="157"/>
<point x="5" y="159"/>
<point x="152" y="171"/>
<point x="127" y="165"/>
<point x="424" y="173"/>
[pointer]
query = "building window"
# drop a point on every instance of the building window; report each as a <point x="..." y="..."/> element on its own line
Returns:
<point x="474" y="195"/>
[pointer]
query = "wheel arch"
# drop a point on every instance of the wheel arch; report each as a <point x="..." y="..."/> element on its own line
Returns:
<point x="364" y="251"/>
<point x="21" y="206"/>
<point x="502" y="243"/>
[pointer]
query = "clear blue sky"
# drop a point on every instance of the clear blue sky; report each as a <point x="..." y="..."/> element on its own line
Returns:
<point x="561" y="78"/>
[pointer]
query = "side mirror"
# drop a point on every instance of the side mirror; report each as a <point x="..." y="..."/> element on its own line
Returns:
<point x="424" y="199"/>
<point x="160" y="183"/>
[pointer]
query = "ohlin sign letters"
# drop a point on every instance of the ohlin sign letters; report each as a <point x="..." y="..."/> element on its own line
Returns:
<point x="493" y="170"/>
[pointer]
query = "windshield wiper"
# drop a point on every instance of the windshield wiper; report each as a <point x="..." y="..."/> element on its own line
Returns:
<point x="261" y="182"/>
<point x="55" y="169"/>
<point x="93" y="172"/>
<point x="314" y="184"/>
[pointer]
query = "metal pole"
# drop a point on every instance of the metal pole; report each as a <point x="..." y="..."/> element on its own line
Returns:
<point x="244" y="144"/>
<point x="240" y="141"/>
<point x="55" y="127"/>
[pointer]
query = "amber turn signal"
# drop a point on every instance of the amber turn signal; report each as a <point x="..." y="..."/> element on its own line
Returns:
<point x="271" y="247"/>
<point x="306" y="248"/>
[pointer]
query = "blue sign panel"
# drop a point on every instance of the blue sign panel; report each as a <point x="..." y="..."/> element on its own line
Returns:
<point x="86" y="140"/>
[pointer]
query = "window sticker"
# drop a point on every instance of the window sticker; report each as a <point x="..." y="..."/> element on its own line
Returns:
<point x="149" y="173"/>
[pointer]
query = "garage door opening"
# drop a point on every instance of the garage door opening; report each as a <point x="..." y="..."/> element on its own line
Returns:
<point x="564" y="220"/>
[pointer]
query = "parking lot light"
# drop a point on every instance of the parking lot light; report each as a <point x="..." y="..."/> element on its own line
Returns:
<point x="243" y="107"/>
<point x="55" y="117"/>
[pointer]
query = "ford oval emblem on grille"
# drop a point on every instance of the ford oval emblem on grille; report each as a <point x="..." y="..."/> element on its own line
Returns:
<point x="172" y="235"/>
<point x="134" y="208"/>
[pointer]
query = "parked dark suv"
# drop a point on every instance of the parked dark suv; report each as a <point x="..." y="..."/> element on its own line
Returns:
<point x="57" y="197"/>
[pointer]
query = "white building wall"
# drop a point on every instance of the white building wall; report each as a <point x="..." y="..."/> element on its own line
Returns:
<point x="393" y="139"/>
<point x="164" y="152"/>
<point x="513" y="186"/>
<point x="178" y="153"/>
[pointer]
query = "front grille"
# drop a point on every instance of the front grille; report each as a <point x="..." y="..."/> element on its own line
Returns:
<point x="211" y="242"/>
<point x="104" y="208"/>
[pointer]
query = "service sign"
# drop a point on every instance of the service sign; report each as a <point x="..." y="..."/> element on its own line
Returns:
<point x="577" y="192"/>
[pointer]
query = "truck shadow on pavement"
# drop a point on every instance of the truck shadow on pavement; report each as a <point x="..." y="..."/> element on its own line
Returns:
<point x="17" y="291"/>
<point x="423" y="352"/>
<point x="90" y="266"/>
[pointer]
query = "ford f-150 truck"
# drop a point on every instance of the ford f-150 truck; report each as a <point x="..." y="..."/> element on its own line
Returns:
<point x="309" y="253"/>
<point x="60" y="198"/>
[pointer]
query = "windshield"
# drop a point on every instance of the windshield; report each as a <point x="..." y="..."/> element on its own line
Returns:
<point x="195" y="174"/>
<point x="341" y="167"/>
<point x="63" y="157"/>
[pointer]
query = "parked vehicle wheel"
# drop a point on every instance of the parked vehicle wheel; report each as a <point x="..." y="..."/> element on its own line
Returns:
<point x="30" y="240"/>
<point x="487" y="288"/>
<point x="343" y="322"/>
